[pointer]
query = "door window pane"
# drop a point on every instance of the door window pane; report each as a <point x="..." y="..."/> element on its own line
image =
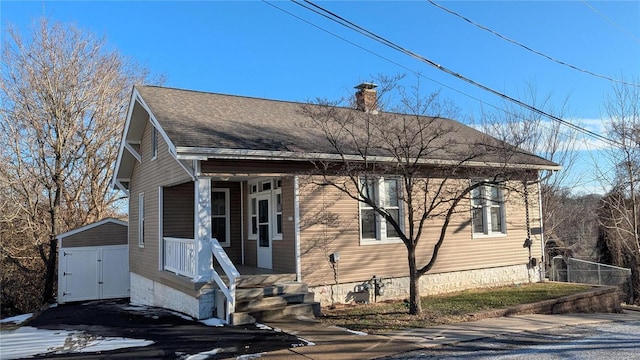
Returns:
<point x="263" y="211"/>
<point x="263" y="237"/>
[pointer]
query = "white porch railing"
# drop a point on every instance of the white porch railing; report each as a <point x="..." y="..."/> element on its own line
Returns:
<point x="180" y="256"/>
<point x="229" y="290"/>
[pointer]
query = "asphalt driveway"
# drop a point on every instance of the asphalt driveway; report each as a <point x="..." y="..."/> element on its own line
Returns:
<point x="173" y="336"/>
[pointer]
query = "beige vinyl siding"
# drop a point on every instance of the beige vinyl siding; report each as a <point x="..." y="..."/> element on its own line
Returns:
<point x="105" y="234"/>
<point x="178" y="209"/>
<point x="148" y="175"/>
<point x="330" y="222"/>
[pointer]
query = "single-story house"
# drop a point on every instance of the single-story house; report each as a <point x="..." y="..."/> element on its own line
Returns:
<point x="237" y="177"/>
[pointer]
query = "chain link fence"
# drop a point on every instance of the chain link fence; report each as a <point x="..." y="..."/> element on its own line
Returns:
<point x="567" y="269"/>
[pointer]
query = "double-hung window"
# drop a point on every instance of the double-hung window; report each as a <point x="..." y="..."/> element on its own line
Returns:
<point x="141" y="220"/>
<point x="220" y="219"/>
<point x="487" y="211"/>
<point x="383" y="193"/>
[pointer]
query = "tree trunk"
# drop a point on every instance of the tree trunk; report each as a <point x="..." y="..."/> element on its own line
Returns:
<point x="415" y="306"/>
<point x="50" y="275"/>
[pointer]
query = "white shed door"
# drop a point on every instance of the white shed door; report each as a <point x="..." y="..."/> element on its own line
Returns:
<point x="115" y="272"/>
<point x="93" y="273"/>
<point x="80" y="280"/>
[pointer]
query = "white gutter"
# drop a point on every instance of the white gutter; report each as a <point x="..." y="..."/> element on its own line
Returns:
<point x="197" y="153"/>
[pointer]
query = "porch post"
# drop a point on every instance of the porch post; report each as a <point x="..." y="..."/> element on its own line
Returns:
<point x="202" y="230"/>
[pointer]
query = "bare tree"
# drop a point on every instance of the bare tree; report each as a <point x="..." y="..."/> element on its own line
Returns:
<point x="63" y="100"/>
<point x="551" y="140"/>
<point x="619" y="216"/>
<point x="419" y="157"/>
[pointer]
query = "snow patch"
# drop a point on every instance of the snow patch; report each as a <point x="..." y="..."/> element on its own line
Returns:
<point x="360" y="333"/>
<point x="213" y="322"/>
<point x="29" y="341"/>
<point x="249" y="356"/>
<point x="203" y="355"/>
<point x="19" y="319"/>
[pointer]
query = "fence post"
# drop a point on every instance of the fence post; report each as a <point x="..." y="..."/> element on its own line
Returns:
<point x="599" y="276"/>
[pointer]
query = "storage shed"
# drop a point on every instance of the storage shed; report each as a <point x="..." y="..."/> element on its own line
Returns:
<point x="93" y="262"/>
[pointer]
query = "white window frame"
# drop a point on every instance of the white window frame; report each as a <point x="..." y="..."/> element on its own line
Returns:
<point x="277" y="191"/>
<point x="260" y="187"/>
<point x="141" y="220"/>
<point x="486" y="204"/>
<point x="154" y="142"/>
<point x="381" y="224"/>
<point x="226" y="216"/>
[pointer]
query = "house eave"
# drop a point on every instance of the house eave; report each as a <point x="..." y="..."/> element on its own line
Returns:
<point x="203" y="154"/>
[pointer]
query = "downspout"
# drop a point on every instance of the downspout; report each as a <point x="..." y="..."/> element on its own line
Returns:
<point x="296" y="217"/>
<point x="543" y="259"/>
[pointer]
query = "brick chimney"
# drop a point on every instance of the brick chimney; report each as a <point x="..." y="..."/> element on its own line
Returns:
<point x="367" y="97"/>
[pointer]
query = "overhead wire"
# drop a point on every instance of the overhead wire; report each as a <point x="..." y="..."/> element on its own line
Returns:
<point x="625" y="31"/>
<point x="415" y="72"/>
<point x="354" y="27"/>
<point x="540" y="53"/>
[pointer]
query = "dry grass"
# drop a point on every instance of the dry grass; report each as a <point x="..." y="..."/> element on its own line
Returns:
<point x="442" y="309"/>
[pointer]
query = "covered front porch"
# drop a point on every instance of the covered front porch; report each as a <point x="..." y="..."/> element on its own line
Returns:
<point x="233" y="236"/>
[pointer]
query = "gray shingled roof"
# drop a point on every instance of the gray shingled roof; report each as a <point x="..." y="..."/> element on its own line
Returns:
<point x="216" y="121"/>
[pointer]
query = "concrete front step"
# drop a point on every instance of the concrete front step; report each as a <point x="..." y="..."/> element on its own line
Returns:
<point x="260" y="279"/>
<point x="310" y="309"/>
<point x="257" y="292"/>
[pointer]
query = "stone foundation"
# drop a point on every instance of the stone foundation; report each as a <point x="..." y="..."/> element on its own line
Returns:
<point x="145" y="291"/>
<point x="430" y="284"/>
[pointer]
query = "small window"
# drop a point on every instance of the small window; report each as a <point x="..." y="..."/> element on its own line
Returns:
<point x="487" y="211"/>
<point x="141" y="219"/>
<point x="278" y="213"/>
<point x="154" y="143"/>
<point x="384" y="193"/>
<point x="220" y="219"/>
<point x="265" y="186"/>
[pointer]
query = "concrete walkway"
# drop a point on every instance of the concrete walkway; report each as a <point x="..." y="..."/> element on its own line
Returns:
<point x="333" y="343"/>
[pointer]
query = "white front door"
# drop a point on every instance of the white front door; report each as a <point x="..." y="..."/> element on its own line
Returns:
<point x="265" y="252"/>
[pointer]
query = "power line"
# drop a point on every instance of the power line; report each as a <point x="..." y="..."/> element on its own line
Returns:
<point x="629" y="34"/>
<point x="529" y="48"/>
<point x="416" y="73"/>
<point x="352" y="26"/>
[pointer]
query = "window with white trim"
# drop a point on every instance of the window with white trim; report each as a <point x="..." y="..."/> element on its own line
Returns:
<point x="220" y="216"/>
<point x="385" y="193"/>
<point x="487" y="211"/>
<point x="277" y="209"/>
<point x="154" y="143"/>
<point x="141" y="220"/>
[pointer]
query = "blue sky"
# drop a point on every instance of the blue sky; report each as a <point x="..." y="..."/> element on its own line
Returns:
<point x="252" y="48"/>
